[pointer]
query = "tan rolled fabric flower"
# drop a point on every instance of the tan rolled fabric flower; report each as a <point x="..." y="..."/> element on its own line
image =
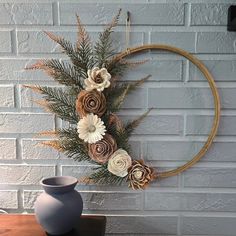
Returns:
<point x="98" y="79"/>
<point x="139" y="175"/>
<point x="103" y="149"/>
<point x="91" y="102"/>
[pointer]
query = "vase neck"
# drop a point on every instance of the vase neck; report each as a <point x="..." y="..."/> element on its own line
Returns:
<point x="59" y="184"/>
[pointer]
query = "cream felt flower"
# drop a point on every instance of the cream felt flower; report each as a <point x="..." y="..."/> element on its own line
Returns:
<point x="98" y="79"/>
<point x="91" y="128"/>
<point x="119" y="163"/>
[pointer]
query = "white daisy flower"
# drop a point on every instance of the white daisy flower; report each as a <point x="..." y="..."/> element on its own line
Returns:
<point x="91" y="128"/>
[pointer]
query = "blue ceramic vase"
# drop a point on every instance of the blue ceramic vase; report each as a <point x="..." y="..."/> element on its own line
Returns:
<point x="59" y="207"/>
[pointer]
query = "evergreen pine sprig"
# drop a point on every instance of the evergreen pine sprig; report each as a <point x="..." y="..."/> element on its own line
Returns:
<point x="59" y="102"/>
<point x="103" y="176"/>
<point x="121" y="137"/>
<point x="70" y="144"/>
<point x="71" y="51"/>
<point x="62" y="72"/>
<point x="118" y="67"/>
<point x="84" y="48"/>
<point x="103" y="48"/>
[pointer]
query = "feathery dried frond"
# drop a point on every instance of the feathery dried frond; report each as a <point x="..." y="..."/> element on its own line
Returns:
<point x="48" y="133"/>
<point x="132" y="125"/>
<point x="54" y="144"/>
<point x="34" y="88"/>
<point x="38" y="65"/>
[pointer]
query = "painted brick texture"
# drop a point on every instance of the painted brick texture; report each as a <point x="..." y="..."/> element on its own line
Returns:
<point x="201" y="201"/>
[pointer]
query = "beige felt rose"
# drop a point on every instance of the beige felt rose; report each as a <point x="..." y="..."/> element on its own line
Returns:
<point x="103" y="149"/>
<point x="119" y="163"/>
<point x="91" y="102"/>
<point x="98" y="79"/>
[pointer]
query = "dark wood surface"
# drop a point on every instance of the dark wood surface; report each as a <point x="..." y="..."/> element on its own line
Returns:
<point x="26" y="225"/>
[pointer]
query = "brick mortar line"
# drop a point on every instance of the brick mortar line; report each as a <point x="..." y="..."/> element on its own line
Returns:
<point x="160" y="137"/>
<point x="203" y="56"/>
<point x="118" y="2"/>
<point x="120" y="29"/>
<point x="56" y="13"/>
<point x="125" y="190"/>
<point x="156" y="163"/>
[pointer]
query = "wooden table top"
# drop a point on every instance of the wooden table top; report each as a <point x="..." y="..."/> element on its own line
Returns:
<point x="26" y="225"/>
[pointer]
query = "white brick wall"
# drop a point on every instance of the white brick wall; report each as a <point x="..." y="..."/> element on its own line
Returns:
<point x="201" y="201"/>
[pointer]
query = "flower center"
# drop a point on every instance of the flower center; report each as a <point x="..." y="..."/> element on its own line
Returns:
<point x="98" y="79"/>
<point x="91" y="129"/>
<point x="91" y="103"/>
<point x="138" y="174"/>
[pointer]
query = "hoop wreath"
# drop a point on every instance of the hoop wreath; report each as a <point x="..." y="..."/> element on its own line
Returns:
<point x="214" y="91"/>
<point x="89" y="100"/>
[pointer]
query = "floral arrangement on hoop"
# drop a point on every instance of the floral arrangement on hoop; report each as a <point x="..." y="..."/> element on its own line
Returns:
<point x="89" y="99"/>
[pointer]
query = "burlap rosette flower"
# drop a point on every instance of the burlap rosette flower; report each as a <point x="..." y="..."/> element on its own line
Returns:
<point x="98" y="79"/>
<point x="103" y="149"/>
<point x="139" y="175"/>
<point x="91" y="102"/>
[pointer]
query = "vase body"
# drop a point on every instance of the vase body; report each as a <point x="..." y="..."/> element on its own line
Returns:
<point x="59" y="207"/>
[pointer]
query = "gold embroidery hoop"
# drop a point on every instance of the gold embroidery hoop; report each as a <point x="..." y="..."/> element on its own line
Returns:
<point x="214" y="91"/>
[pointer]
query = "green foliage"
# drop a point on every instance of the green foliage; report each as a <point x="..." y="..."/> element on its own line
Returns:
<point x="73" y="147"/>
<point x="103" y="176"/>
<point x="72" y="52"/>
<point x="84" y="48"/>
<point x="116" y="95"/>
<point x="103" y="47"/>
<point x="64" y="73"/>
<point x="121" y="137"/>
<point x="116" y="67"/>
<point x="60" y="102"/>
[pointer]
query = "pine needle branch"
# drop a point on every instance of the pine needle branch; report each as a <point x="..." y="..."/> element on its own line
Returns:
<point x="103" y="47"/>
<point x="61" y="72"/>
<point x="103" y="176"/>
<point x="69" y="143"/>
<point x="70" y="51"/>
<point x="121" y="137"/>
<point x="59" y="102"/>
<point x="118" y="67"/>
<point x="84" y="47"/>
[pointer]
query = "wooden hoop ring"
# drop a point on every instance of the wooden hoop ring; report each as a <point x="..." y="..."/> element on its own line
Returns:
<point x="214" y="91"/>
